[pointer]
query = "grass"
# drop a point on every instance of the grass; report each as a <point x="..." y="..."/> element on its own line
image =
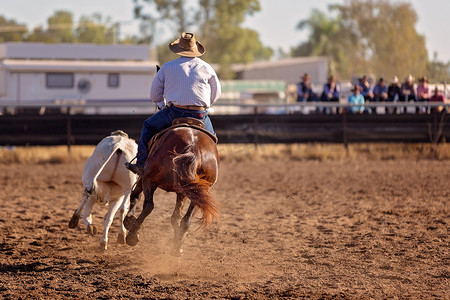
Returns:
<point x="323" y="152"/>
<point x="246" y="152"/>
<point x="42" y="155"/>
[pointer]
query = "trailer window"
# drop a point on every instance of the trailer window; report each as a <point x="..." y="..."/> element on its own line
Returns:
<point x="60" y="80"/>
<point x="113" y="80"/>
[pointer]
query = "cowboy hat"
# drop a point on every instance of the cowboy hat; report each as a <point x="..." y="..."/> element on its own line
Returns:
<point x="187" y="46"/>
<point x="394" y="80"/>
<point x="423" y="79"/>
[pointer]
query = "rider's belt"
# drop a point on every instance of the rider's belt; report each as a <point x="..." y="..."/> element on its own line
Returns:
<point x="190" y="107"/>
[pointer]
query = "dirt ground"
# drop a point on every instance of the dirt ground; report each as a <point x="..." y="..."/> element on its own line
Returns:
<point x="288" y="229"/>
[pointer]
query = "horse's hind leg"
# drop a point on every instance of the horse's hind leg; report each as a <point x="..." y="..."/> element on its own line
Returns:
<point x="132" y="236"/>
<point x="176" y="215"/>
<point x="185" y="223"/>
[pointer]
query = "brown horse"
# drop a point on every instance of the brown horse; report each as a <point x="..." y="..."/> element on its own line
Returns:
<point x="184" y="160"/>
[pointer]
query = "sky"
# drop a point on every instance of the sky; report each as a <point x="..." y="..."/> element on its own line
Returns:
<point x="275" y="23"/>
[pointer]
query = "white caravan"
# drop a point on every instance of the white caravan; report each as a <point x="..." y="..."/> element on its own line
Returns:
<point x="76" y="74"/>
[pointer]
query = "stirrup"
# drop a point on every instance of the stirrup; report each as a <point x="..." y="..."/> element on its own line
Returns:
<point x="135" y="168"/>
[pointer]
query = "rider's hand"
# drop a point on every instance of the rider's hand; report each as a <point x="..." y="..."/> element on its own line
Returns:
<point x="161" y="105"/>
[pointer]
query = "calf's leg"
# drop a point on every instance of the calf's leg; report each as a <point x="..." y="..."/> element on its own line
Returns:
<point x="107" y="221"/>
<point x="73" y="223"/>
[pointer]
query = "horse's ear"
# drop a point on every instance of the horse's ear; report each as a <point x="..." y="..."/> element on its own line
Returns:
<point x="157" y="68"/>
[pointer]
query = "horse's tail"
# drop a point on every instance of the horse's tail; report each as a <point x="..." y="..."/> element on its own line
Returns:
<point x="196" y="188"/>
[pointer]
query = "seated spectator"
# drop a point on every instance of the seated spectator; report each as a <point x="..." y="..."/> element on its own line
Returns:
<point x="366" y="88"/>
<point x="357" y="99"/>
<point x="330" y="93"/>
<point x="380" y="93"/>
<point x="423" y="93"/>
<point x="407" y="92"/>
<point x="393" y="93"/>
<point x="437" y="97"/>
<point x="305" y="90"/>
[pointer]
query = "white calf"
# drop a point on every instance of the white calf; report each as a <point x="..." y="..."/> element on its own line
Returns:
<point x="107" y="181"/>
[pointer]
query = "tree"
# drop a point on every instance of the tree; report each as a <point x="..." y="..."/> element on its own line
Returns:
<point x="59" y="29"/>
<point x="438" y="71"/>
<point x="321" y="41"/>
<point x="60" y="26"/>
<point x="92" y="29"/>
<point x="367" y="36"/>
<point x="217" y="24"/>
<point x="390" y="44"/>
<point x="11" y="31"/>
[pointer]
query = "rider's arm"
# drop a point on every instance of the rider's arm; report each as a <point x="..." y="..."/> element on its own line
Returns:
<point x="157" y="89"/>
<point x="216" y="88"/>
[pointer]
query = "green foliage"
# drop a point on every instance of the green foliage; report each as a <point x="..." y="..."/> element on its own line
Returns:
<point x="92" y="29"/>
<point x="438" y="71"/>
<point x="11" y="31"/>
<point x="164" y="54"/>
<point x="321" y="42"/>
<point x="217" y="24"/>
<point x="59" y="29"/>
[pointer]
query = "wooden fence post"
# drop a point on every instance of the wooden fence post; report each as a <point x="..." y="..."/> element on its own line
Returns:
<point x="69" y="129"/>
<point x="255" y="127"/>
<point x="344" y="130"/>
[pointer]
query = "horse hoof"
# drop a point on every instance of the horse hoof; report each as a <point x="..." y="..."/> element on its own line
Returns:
<point x="176" y="252"/>
<point x="91" y="229"/>
<point x="73" y="223"/>
<point x="121" y="238"/>
<point x="132" y="239"/>
<point x="129" y="222"/>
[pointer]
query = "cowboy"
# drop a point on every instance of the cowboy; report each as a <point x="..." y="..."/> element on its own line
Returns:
<point x="184" y="87"/>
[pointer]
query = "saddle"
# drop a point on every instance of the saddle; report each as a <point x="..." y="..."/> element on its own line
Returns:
<point x="182" y="122"/>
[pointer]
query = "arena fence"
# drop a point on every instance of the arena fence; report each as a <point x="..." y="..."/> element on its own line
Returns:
<point x="259" y="124"/>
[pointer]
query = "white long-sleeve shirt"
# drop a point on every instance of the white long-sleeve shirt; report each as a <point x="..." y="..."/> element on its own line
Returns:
<point x="186" y="81"/>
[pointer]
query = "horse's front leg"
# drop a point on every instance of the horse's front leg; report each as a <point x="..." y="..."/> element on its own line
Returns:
<point x="179" y="233"/>
<point x="132" y="236"/>
<point x="129" y="207"/>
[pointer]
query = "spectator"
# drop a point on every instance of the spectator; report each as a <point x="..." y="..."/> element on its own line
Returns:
<point x="358" y="100"/>
<point x="423" y="93"/>
<point x="407" y="92"/>
<point x="305" y="90"/>
<point x="380" y="93"/>
<point x="436" y="98"/>
<point x="330" y="93"/>
<point x="394" y="93"/>
<point x="366" y="88"/>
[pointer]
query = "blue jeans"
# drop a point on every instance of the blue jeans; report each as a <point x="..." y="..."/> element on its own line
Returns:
<point x="163" y="119"/>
